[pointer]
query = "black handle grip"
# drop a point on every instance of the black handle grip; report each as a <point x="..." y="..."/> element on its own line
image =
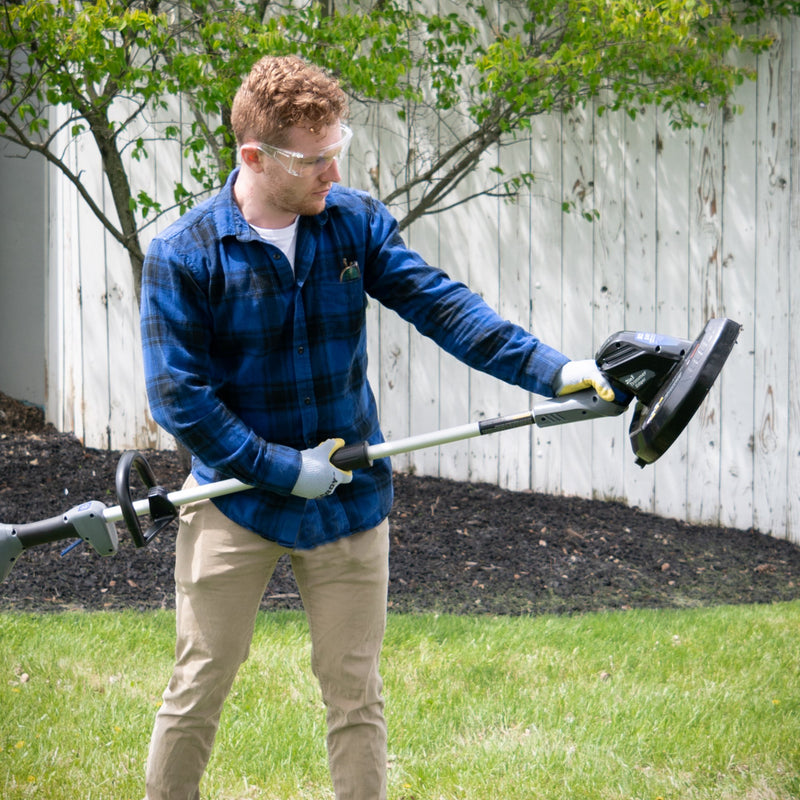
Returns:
<point x="31" y="534"/>
<point x="352" y="456"/>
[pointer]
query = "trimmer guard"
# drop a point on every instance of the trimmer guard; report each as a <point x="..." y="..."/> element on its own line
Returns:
<point x="666" y="402"/>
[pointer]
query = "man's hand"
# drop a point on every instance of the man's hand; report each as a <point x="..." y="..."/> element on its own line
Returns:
<point x="577" y="375"/>
<point x="318" y="477"/>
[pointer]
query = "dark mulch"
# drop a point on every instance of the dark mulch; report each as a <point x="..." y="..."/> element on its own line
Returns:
<point x="456" y="547"/>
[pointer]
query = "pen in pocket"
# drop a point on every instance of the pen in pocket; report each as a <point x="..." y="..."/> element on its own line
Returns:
<point x="350" y="271"/>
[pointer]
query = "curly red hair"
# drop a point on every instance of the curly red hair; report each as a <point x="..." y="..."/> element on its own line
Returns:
<point x="281" y="92"/>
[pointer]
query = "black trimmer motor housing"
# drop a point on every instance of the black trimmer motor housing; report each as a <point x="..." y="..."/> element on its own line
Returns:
<point x="669" y="378"/>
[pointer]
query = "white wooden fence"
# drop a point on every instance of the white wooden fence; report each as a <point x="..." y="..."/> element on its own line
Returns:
<point x="691" y="225"/>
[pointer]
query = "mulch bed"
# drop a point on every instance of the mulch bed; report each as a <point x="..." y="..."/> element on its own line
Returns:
<point x="457" y="547"/>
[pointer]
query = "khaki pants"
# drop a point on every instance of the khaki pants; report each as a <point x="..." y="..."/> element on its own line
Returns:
<point x="221" y="573"/>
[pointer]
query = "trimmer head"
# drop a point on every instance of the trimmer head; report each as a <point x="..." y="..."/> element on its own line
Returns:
<point x="669" y="378"/>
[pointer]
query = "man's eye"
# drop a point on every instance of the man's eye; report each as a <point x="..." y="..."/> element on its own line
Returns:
<point x="328" y="157"/>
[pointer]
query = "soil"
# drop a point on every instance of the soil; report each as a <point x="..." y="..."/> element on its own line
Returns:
<point x="456" y="547"/>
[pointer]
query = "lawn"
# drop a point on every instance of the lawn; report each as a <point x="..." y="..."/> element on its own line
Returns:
<point x="698" y="704"/>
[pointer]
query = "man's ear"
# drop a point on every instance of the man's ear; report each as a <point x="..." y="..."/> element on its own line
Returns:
<point x="251" y="156"/>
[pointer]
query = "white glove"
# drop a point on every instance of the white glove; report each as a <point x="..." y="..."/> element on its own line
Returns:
<point x="318" y="477"/>
<point x="577" y="375"/>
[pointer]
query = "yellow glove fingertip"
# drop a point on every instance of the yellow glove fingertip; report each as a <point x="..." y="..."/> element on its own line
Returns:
<point x="605" y="393"/>
<point x="339" y="444"/>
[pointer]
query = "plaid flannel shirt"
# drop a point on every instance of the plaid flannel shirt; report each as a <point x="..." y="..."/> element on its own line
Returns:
<point x="247" y="363"/>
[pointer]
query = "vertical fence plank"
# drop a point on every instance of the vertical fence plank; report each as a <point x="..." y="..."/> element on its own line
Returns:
<point x="771" y="294"/>
<point x="739" y="278"/>
<point x="672" y="300"/>
<point x="546" y="221"/>
<point x="705" y="302"/>
<point x="792" y="514"/>
<point x="125" y="418"/>
<point x="394" y="333"/>
<point x="122" y="318"/>
<point x="429" y="394"/>
<point x="641" y="233"/>
<point x="56" y="303"/>
<point x="481" y="248"/>
<point x="426" y="389"/>
<point x="577" y="300"/>
<point x="513" y="256"/>
<point x="363" y="171"/>
<point x="479" y="251"/>
<point x="91" y="331"/>
<point x="608" y="291"/>
<point x="454" y="377"/>
<point x="514" y="286"/>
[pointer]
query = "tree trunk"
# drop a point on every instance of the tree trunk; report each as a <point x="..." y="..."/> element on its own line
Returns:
<point x="120" y="192"/>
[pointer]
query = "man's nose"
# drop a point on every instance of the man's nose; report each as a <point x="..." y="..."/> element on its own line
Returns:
<point x="331" y="172"/>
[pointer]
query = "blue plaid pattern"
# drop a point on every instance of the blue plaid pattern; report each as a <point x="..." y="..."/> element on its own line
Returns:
<point x="247" y="363"/>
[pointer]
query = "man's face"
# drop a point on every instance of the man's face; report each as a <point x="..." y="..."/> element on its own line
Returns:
<point x="285" y="194"/>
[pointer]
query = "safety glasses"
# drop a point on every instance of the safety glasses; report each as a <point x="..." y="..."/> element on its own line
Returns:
<point x="302" y="166"/>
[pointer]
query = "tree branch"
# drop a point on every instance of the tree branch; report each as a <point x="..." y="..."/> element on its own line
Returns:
<point x="36" y="147"/>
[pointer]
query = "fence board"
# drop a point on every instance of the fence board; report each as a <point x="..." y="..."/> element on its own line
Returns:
<point x="577" y="263"/>
<point x="546" y="227"/>
<point x="363" y="170"/>
<point x="739" y="275"/>
<point x="609" y="441"/>
<point x="478" y="250"/>
<point x="394" y="334"/>
<point x="771" y="295"/>
<point x="513" y="264"/>
<point x="705" y="302"/>
<point x="88" y="336"/>
<point x="792" y="516"/>
<point x="672" y="298"/>
<point x="58" y="242"/>
<point x="454" y="380"/>
<point x="639" y="270"/>
<point x="424" y="385"/>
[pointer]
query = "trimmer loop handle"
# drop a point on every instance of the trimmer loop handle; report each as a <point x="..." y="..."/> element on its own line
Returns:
<point x="162" y="510"/>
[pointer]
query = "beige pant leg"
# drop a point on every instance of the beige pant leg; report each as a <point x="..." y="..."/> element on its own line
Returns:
<point x="221" y="573"/>
<point x="344" y="586"/>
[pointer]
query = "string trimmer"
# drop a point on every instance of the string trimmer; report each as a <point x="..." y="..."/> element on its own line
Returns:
<point x="668" y="377"/>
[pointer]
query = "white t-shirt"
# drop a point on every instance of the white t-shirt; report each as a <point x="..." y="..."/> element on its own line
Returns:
<point x="285" y="239"/>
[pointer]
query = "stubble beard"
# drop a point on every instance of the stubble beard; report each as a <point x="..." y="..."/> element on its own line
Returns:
<point x="303" y="203"/>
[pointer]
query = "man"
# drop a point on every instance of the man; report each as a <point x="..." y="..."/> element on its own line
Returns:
<point x="253" y="327"/>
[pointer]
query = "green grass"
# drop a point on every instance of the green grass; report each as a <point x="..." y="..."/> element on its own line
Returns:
<point x="700" y="704"/>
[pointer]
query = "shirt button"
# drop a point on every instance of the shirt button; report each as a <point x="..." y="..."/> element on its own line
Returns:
<point x="276" y="256"/>
<point x="301" y="349"/>
<point x="307" y="401"/>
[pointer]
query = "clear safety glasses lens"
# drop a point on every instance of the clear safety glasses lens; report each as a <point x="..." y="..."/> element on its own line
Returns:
<point x="303" y="166"/>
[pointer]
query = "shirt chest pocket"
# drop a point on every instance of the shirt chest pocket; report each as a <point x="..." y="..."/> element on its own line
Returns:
<point x="335" y="310"/>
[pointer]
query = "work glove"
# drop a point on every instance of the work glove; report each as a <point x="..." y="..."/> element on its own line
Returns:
<point x="577" y="375"/>
<point x="318" y="477"/>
